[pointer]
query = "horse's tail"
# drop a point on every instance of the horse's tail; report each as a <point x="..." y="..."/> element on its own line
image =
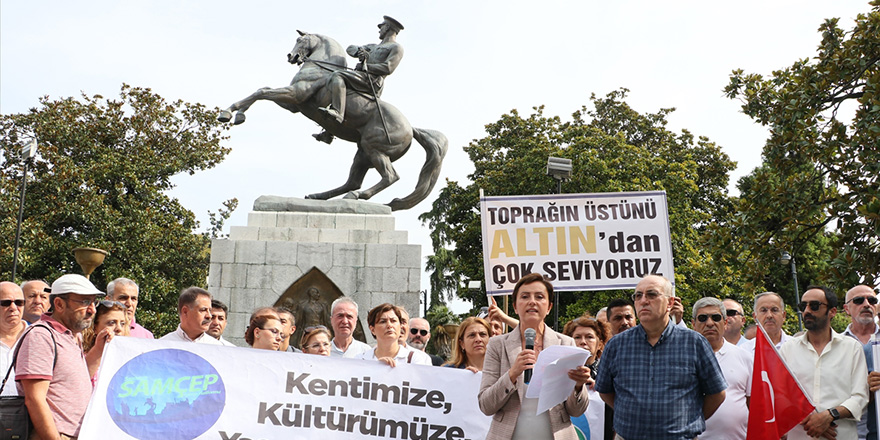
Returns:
<point x="435" y="145"/>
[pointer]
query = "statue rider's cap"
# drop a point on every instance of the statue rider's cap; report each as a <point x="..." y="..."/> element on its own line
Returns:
<point x="392" y="22"/>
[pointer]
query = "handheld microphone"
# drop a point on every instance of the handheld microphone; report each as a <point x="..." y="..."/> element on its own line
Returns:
<point x="529" y="334"/>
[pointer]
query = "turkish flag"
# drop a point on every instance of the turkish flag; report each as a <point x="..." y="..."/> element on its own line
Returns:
<point x="778" y="403"/>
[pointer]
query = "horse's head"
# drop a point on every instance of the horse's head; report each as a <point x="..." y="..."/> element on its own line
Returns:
<point x="317" y="47"/>
<point x="305" y="45"/>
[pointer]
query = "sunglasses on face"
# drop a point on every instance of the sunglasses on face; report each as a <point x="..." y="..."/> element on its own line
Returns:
<point x="313" y="328"/>
<point x="8" y="302"/>
<point x="108" y="304"/>
<point x="814" y="305"/>
<point x="415" y="331"/>
<point x="859" y="300"/>
<point x="715" y="317"/>
<point x="732" y="313"/>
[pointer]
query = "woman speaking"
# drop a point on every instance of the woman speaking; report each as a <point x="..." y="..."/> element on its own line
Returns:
<point x="503" y="388"/>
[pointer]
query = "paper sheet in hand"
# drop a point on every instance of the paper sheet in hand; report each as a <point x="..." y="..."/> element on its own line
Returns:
<point x="550" y="382"/>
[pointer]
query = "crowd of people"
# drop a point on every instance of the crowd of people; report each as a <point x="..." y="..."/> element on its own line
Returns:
<point x="648" y="375"/>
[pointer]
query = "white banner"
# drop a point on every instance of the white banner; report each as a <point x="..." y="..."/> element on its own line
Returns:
<point x="150" y="389"/>
<point x="578" y="241"/>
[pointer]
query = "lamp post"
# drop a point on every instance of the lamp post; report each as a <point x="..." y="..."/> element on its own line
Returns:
<point x="786" y="259"/>
<point x="27" y="153"/>
<point x="559" y="169"/>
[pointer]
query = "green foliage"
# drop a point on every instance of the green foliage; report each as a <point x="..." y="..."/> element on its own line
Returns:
<point x="817" y="193"/>
<point x="100" y="180"/>
<point x="612" y="148"/>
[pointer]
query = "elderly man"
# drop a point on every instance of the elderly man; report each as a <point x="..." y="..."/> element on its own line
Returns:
<point x="127" y="292"/>
<point x="36" y="299"/>
<point x="770" y="312"/>
<point x="732" y="418"/>
<point x="218" y="322"/>
<point x="12" y="303"/>
<point x="831" y="367"/>
<point x="621" y="316"/>
<point x="194" y="310"/>
<point x="861" y="305"/>
<point x="663" y="381"/>
<point x="51" y="370"/>
<point x="419" y="335"/>
<point x="343" y="319"/>
<point x="736" y="319"/>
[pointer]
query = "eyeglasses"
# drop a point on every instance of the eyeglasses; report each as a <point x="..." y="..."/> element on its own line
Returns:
<point x="651" y="295"/>
<point x="83" y="302"/>
<point x="731" y="313"/>
<point x="814" y="305"/>
<point x="313" y="328"/>
<point x="415" y="331"/>
<point x="715" y="317"/>
<point x="859" y="300"/>
<point x="773" y="310"/>
<point x="109" y="304"/>
<point x="8" y="302"/>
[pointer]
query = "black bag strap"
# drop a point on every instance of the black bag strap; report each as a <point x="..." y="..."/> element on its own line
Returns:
<point x="409" y="357"/>
<point x="18" y="347"/>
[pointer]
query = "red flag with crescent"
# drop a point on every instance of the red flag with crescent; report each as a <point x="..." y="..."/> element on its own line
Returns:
<point x="778" y="403"/>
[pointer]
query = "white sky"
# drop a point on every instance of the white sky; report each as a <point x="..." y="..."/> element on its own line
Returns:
<point x="466" y="64"/>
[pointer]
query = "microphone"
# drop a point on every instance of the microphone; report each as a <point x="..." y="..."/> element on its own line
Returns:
<point x="530" y="345"/>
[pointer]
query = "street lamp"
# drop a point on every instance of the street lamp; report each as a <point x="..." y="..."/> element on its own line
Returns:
<point x="27" y="153"/>
<point x="559" y="169"/>
<point x="785" y="259"/>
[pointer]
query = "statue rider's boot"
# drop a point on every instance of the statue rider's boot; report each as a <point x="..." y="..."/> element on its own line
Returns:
<point x="323" y="136"/>
<point x="332" y="113"/>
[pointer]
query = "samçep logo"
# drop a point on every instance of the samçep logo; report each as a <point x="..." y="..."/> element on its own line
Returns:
<point x="170" y="394"/>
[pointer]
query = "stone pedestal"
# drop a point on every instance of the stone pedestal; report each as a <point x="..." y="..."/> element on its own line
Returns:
<point x="362" y="254"/>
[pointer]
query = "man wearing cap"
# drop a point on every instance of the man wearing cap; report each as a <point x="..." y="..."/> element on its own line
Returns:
<point x="194" y="310"/>
<point x="376" y="62"/>
<point x="51" y="370"/>
<point x="36" y="299"/>
<point x="127" y="292"/>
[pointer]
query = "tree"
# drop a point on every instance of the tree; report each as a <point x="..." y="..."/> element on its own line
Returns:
<point x="100" y="180"/>
<point x="617" y="149"/>
<point x="817" y="192"/>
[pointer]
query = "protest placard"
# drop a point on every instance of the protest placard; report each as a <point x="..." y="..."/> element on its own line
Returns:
<point x="578" y="241"/>
<point x="149" y="389"/>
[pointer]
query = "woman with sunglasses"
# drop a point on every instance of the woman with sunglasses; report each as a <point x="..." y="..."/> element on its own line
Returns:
<point x="469" y="348"/>
<point x="316" y="340"/>
<point x="384" y="321"/>
<point x="110" y="320"/>
<point x="264" y="332"/>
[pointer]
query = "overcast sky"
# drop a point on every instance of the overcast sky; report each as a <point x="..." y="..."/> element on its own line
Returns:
<point x="466" y="63"/>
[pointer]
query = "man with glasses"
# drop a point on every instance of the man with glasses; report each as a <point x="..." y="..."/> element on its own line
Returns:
<point x="732" y="417"/>
<point x="663" y="381"/>
<point x="127" y="292"/>
<point x="770" y="312"/>
<point x="343" y="319"/>
<point x="830" y="367"/>
<point x="735" y="321"/>
<point x="194" y="310"/>
<point x="12" y="305"/>
<point x="52" y="372"/>
<point x="419" y="335"/>
<point x="861" y="305"/>
<point x="36" y="299"/>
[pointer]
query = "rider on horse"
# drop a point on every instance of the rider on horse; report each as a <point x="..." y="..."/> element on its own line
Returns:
<point x="376" y="62"/>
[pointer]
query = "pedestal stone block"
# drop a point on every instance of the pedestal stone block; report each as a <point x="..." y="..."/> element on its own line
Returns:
<point x="352" y="243"/>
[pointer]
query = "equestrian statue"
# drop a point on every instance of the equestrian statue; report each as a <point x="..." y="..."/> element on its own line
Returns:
<point x="346" y="104"/>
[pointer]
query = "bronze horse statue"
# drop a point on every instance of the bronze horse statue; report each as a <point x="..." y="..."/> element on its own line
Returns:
<point x="380" y="130"/>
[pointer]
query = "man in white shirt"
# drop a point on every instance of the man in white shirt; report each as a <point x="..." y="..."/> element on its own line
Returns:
<point x="731" y="420"/>
<point x="735" y="320"/>
<point x="770" y="312"/>
<point x="830" y="367"/>
<point x="861" y="305"/>
<point x="218" y="322"/>
<point x="36" y="299"/>
<point x="194" y="310"/>
<point x="343" y="319"/>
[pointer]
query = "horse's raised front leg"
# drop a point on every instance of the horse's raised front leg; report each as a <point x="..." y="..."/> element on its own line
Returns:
<point x="284" y="97"/>
<point x="356" y="174"/>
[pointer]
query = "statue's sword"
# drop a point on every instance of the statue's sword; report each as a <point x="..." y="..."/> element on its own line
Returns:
<point x="378" y="107"/>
